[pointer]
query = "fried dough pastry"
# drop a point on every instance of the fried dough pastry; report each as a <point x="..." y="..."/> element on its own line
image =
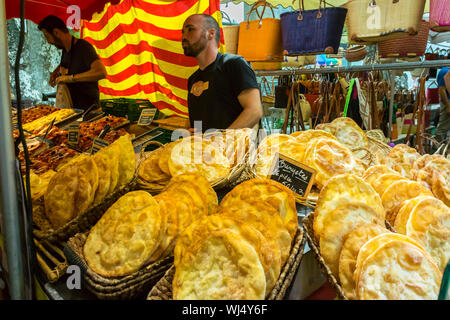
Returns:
<point x="429" y="224"/>
<point x="353" y="241"/>
<point x="398" y="270"/>
<point x="341" y="190"/>
<point x="350" y="135"/>
<point x="223" y="266"/>
<point x="276" y="194"/>
<point x="126" y="236"/>
<point x="337" y="224"/>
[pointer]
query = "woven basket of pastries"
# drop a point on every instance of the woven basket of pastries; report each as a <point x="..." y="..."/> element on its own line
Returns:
<point x="317" y="149"/>
<point x="220" y="157"/>
<point x="358" y="249"/>
<point x="83" y="188"/>
<point x="132" y="245"/>
<point x="249" y="250"/>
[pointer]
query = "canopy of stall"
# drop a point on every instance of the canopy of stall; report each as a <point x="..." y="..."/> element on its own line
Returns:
<point x="36" y="10"/>
<point x="309" y="4"/>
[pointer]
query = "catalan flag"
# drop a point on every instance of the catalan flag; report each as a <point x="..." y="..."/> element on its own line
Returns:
<point x="139" y="42"/>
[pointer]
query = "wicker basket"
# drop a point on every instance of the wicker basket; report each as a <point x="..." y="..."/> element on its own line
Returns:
<point x="378" y="148"/>
<point x="163" y="289"/>
<point x="51" y="259"/>
<point x="236" y="174"/>
<point x="308" y="222"/>
<point x="131" y="286"/>
<point x="45" y="231"/>
<point x="406" y="46"/>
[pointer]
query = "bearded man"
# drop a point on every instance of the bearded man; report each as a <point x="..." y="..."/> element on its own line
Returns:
<point x="223" y="93"/>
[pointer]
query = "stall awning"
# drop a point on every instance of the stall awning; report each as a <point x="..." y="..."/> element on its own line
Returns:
<point x="36" y="10"/>
<point x="309" y="4"/>
<point x="139" y="42"/>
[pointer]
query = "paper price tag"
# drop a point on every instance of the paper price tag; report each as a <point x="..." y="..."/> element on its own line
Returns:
<point x="292" y="174"/>
<point x="74" y="133"/>
<point x="146" y="117"/>
<point x="98" y="144"/>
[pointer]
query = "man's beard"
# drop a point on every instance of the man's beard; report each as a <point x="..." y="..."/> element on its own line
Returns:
<point x="192" y="50"/>
<point x="58" y="44"/>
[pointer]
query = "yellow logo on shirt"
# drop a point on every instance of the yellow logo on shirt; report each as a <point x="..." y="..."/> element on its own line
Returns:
<point x="198" y="88"/>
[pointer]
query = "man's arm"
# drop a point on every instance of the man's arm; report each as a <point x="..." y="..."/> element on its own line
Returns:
<point x="95" y="73"/>
<point x="444" y="99"/>
<point x="55" y="74"/>
<point x="250" y="101"/>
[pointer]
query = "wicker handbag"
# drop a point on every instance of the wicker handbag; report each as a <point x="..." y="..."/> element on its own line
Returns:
<point x="440" y="15"/>
<point x="312" y="31"/>
<point x="230" y="34"/>
<point x="356" y="53"/>
<point x="260" y="40"/>
<point x="369" y="21"/>
<point x="406" y="46"/>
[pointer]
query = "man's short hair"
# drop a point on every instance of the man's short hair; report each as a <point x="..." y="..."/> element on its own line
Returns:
<point x="51" y="22"/>
<point x="210" y="23"/>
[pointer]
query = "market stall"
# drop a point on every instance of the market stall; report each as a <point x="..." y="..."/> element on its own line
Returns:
<point x="335" y="194"/>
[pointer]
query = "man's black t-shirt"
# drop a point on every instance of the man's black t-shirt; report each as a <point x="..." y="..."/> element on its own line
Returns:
<point x="213" y="92"/>
<point x="79" y="60"/>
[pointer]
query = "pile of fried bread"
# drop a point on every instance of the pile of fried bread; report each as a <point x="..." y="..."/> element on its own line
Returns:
<point x="368" y="260"/>
<point x="86" y="181"/>
<point x="328" y="152"/>
<point x="211" y="155"/>
<point x="234" y="250"/>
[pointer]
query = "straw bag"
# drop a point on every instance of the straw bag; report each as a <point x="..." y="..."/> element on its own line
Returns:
<point x="298" y="61"/>
<point x="230" y="34"/>
<point x="268" y="99"/>
<point x="356" y="53"/>
<point x="440" y="15"/>
<point x="312" y="31"/>
<point x="406" y="46"/>
<point x="260" y="40"/>
<point x="369" y="21"/>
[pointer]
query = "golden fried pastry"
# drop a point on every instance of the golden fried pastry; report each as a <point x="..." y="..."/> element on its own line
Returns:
<point x="421" y="163"/>
<point x="276" y="194"/>
<point x="58" y="115"/>
<point x="270" y="146"/>
<point x="328" y="127"/>
<point x="308" y="135"/>
<point x="375" y="243"/>
<point x="71" y="191"/>
<point x="353" y="241"/>
<point x="198" y="155"/>
<point x="404" y="211"/>
<point x="330" y="158"/>
<point x="238" y="142"/>
<point x="126" y="236"/>
<point x="149" y="169"/>
<point x="350" y="135"/>
<point x="197" y="186"/>
<point x="385" y="180"/>
<point x="104" y="164"/>
<point x="166" y="153"/>
<point x="127" y="160"/>
<point x="429" y="224"/>
<point x="268" y="252"/>
<point x="401" y="158"/>
<point x="179" y="215"/>
<point x="398" y="192"/>
<point x="341" y="190"/>
<point x="266" y="219"/>
<point x="398" y="270"/>
<point x="374" y="172"/>
<point x="223" y="266"/>
<point x="337" y="224"/>
<point x="39" y="183"/>
<point x="436" y="177"/>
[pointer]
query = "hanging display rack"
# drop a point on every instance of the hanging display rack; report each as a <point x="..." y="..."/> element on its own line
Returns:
<point x="361" y="68"/>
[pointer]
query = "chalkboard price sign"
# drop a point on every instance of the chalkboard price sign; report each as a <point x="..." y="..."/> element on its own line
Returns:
<point x="292" y="174"/>
<point x="98" y="144"/>
<point x="146" y="116"/>
<point x="74" y="133"/>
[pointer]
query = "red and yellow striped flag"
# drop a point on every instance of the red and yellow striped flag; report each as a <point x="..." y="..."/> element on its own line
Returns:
<point x="139" y="41"/>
